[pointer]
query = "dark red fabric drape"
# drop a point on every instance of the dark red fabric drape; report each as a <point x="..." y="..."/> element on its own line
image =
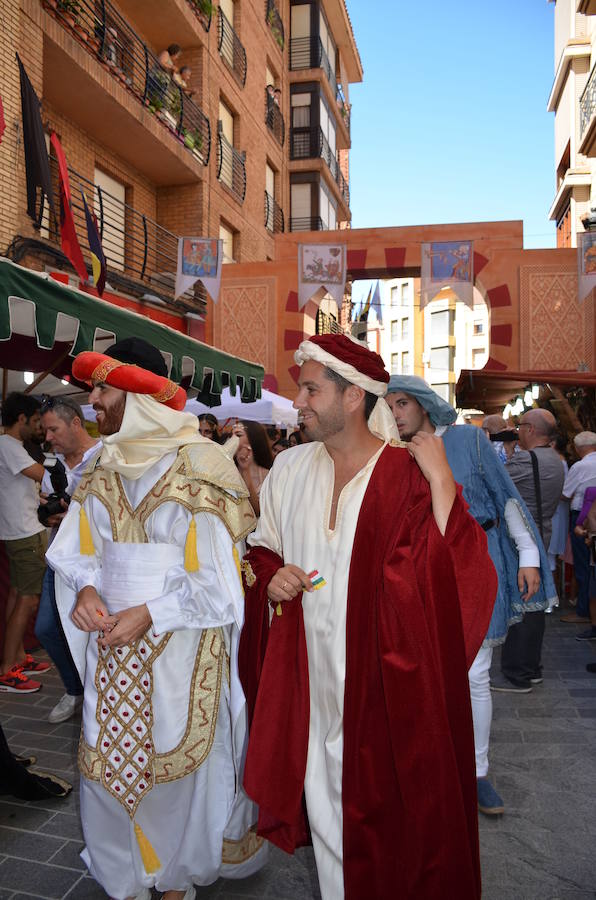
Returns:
<point x="419" y="605"/>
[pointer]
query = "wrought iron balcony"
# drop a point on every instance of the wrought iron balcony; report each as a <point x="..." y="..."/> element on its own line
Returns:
<point x="344" y="108"/>
<point x="231" y="169"/>
<point x="306" y="223"/>
<point x="230" y="48"/>
<point x="105" y="34"/>
<point x="274" y="119"/>
<point x="136" y="248"/>
<point x="326" y="324"/>
<point x="274" y="215"/>
<point x="309" y="53"/>
<point x="275" y="23"/>
<point x="311" y="143"/>
<point x="203" y="9"/>
<point x="587" y="104"/>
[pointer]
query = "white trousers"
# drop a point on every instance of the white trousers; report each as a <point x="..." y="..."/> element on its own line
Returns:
<point x="482" y="706"/>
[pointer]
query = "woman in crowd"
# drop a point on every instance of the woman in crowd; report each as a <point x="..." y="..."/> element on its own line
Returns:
<point x="209" y="427"/>
<point x="294" y="439"/>
<point x="254" y="459"/>
<point x="279" y="445"/>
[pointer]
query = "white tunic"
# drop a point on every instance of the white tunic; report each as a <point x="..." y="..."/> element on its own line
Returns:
<point x="296" y="502"/>
<point x="184" y="820"/>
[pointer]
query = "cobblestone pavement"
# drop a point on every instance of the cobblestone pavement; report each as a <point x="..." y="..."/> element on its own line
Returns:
<point x="543" y="762"/>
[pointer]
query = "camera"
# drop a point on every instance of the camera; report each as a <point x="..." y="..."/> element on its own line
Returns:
<point x="53" y="504"/>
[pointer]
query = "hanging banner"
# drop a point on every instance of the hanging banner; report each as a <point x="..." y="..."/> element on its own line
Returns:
<point x="586" y="264"/>
<point x="447" y="264"/>
<point x="321" y="266"/>
<point x="199" y="259"/>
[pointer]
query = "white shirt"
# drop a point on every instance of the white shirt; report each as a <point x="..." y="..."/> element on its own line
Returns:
<point x="19" y="495"/>
<point x="582" y="475"/>
<point x="73" y="476"/>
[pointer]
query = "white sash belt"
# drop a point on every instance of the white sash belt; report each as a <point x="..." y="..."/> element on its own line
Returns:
<point x="132" y="574"/>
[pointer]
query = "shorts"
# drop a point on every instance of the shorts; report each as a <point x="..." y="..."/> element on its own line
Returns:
<point x="27" y="561"/>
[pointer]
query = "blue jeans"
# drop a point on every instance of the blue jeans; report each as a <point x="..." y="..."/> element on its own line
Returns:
<point x="48" y="631"/>
<point x="581" y="565"/>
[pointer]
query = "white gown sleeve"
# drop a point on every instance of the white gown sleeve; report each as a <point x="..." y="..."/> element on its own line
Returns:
<point x="268" y="530"/>
<point x="210" y="597"/>
<point x="64" y="554"/>
<point x="522" y="538"/>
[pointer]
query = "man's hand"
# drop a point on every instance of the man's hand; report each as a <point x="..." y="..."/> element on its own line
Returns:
<point x="287" y="583"/>
<point x="429" y="452"/>
<point x="53" y="520"/>
<point x="89" y="613"/>
<point x="125" y="626"/>
<point x="528" y="581"/>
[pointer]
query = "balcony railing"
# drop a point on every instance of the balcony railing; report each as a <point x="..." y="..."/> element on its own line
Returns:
<point x="203" y="9"/>
<point x="344" y="108"/>
<point x="326" y="324"/>
<point x="100" y="28"/>
<point x="231" y="169"/>
<point x="274" y="216"/>
<point x="274" y="119"/>
<point x="308" y="53"/>
<point x="306" y="223"/>
<point x="230" y="48"/>
<point x="135" y="247"/>
<point x="311" y="143"/>
<point x="587" y="104"/>
<point x="275" y="23"/>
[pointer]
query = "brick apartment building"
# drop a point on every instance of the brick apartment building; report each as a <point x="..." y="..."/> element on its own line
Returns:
<point x="231" y="159"/>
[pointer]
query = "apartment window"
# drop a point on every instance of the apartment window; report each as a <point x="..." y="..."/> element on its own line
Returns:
<point x="478" y="358"/>
<point x="405" y="293"/>
<point x="478" y="327"/>
<point x="405" y="363"/>
<point x="327" y="208"/>
<point x="441" y="324"/>
<point x="564" y="229"/>
<point x="226" y="128"/>
<point x="405" y="329"/>
<point x="441" y="358"/>
<point x="394" y="331"/>
<point x="269" y="197"/>
<point x="227" y="45"/>
<point x="228" y="238"/>
<point x="114" y="217"/>
<point x="301" y="211"/>
<point x="395" y="364"/>
<point x="327" y="124"/>
<point x="443" y="390"/>
<point x="394" y="296"/>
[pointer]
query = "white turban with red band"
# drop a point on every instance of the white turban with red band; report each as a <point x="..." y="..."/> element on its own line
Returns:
<point x="358" y="365"/>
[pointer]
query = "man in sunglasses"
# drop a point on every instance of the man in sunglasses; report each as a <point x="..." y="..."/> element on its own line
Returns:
<point x="64" y="427"/>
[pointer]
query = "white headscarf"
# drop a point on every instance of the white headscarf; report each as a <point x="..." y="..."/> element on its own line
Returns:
<point x="381" y="421"/>
<point x="149" y="431"/>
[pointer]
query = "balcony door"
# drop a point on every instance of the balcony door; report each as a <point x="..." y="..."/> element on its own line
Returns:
<point x="113" y="209"/>
<point x="226" y="121"/>
<point x="300" y="37"/>
<point x="301" y="127"/>
<point x="270" y="188"/>
<point x="301" y="213"/>
<point x="227" y="47"/>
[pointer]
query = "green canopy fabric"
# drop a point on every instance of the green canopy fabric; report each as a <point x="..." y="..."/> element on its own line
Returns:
<point x="38" y="312"/>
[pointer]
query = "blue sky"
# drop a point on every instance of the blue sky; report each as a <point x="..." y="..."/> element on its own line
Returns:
<point x="450" y="122"/>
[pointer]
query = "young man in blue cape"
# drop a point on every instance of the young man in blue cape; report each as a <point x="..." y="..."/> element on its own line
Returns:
<point x="517" y="552"/>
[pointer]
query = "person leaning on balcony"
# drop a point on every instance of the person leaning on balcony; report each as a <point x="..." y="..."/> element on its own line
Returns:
<point x="169" y="59"/>
<point x="182" y="79"/>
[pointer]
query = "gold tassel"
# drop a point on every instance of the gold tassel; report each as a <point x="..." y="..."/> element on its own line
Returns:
<point x="238" y="566"/>
<point x="86" y="541"/>
<point x="191" y="560"/>
<point x="151" y="861"/>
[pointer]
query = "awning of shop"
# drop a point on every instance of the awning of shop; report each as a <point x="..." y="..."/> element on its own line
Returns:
<point x="491" y="389"/>
<point x="43" y="324"/>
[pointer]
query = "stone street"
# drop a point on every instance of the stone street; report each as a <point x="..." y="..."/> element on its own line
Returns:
<point x="543" y="762"/>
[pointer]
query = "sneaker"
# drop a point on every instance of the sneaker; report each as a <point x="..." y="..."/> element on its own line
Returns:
<point x="489" y="802"/>
<point x="537" y="679"/>
<point x="17" y="683"/>
<point x="588" y="634"/>
<point x="32" y="666"/>
<point x="24" y="761"/>
<point x="505" y="686"/>
<point x="42" y="786"/>
<point x="66" y="707"/>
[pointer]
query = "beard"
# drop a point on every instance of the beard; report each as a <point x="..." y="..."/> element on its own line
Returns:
<point x="325" y="425"/>
<point x="112" y="416"/>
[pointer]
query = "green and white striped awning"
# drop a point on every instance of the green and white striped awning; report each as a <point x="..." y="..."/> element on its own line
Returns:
<point x="44" y="323"/>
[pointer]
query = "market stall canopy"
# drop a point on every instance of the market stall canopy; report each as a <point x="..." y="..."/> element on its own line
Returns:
<point x="271" y="409"/>
<point x="43" y="324"/>
<point x="491" y="389"/>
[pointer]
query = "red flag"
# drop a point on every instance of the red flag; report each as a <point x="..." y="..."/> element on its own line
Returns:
<point x="68" y="236"/>
<point x="2" y="122"/>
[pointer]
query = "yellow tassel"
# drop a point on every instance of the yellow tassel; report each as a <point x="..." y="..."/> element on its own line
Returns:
<point x="191" y="560"/>
<point x="151" y="861"/>
<point x="238" y="566"/>
<point x="86" y="541"/>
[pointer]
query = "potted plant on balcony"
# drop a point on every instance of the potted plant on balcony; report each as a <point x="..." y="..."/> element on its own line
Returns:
<point x="197" y="148"/>
<point x="273" y="22"/>
<point x="69" y="10"/>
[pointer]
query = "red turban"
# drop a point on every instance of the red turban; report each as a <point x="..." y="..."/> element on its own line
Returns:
<point x="93" y="368"/>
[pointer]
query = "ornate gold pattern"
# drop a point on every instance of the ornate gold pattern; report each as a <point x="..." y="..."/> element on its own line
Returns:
<point x="166" y="393"/>
<point x="101" y="372"/>
<point x="249" y="575"/>
<point x="234" y="853"/>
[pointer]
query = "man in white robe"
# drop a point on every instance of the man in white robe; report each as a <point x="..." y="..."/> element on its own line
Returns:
<point x="148" y="588"/>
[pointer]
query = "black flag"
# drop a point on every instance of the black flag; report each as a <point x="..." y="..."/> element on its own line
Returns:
<point x="37" y="164"/>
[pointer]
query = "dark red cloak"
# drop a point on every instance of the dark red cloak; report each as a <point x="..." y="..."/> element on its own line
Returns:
<point x="418" y="609"/>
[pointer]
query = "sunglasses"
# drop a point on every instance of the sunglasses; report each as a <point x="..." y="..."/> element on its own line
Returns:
<point x="48" y="403"/>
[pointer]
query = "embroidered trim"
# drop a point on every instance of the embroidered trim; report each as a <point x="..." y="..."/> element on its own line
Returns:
<point x="233" y="853"/>
<point x="101" y="372"/>
<point x="249" y="575"/>
<point x="166" y="392"/>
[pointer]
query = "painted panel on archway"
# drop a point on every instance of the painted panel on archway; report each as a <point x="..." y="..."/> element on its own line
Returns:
<point x="246" y="321"/>
<point x="556" y="331"/>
